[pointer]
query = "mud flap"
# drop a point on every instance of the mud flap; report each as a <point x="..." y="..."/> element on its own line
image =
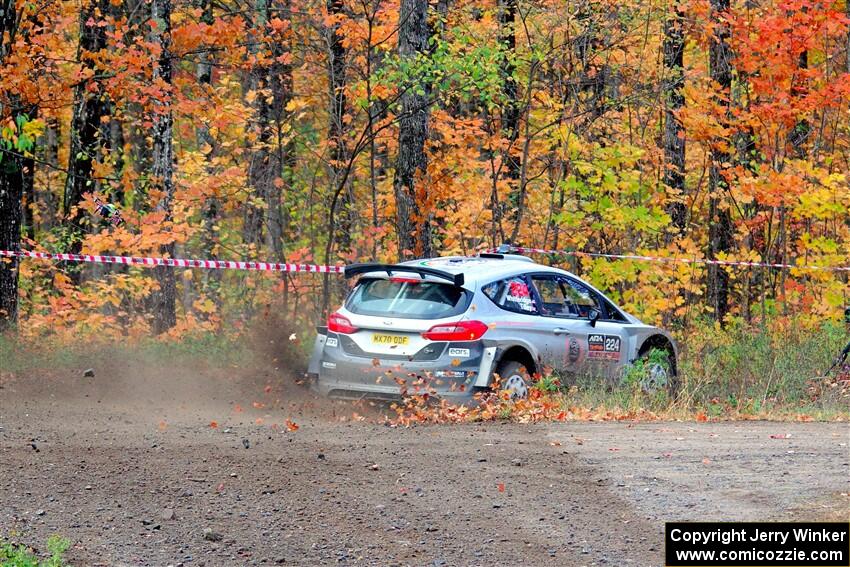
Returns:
<point x="485" y="372"/>
<point x="316" y="355"/>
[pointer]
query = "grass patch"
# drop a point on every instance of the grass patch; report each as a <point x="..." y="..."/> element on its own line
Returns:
<point x="736" y="373"/>
<point x="209" y="349"/>
<point x="17" y="555"/>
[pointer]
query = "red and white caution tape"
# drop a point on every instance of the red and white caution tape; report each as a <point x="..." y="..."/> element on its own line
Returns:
<point x="338" y="269"/>
<point x="525" y="250"/>
<point x="179" y="262"/>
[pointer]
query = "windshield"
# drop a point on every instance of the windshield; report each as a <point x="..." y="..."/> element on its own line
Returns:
<point x="406" y="298"/>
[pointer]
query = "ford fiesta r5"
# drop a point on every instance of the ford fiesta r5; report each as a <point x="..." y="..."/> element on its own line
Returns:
<point x="458" y="322"/>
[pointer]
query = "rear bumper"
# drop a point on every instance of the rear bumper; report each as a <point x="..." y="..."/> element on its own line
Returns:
<point x="338" y="374"/>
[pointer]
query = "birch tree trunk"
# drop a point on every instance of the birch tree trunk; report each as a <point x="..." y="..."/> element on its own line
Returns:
<point x="13" y="178"/>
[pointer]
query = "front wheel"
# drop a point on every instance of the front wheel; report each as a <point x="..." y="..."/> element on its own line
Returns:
<point x="514" y="378"/>
<point x="658" y="372"/>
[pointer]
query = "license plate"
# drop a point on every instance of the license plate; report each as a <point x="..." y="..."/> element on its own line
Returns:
<point x="380" y="339"/>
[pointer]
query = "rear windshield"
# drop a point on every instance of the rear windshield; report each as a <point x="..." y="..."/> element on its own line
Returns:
<point x="413" y="300"/>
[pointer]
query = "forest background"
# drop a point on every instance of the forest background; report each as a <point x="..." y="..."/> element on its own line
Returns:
<point x="354" y="130"/>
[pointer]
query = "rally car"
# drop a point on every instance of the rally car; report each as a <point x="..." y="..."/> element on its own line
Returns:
<point x="459" y="324"/>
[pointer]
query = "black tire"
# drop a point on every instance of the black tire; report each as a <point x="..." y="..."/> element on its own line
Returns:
<point x="514" y="378"/>
<point x="660" y="374"/>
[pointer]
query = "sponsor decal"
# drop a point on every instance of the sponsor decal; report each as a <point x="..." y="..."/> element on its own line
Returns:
<point x="459" y="352"/>
<point x="518" y="293"/>
<point x="575" y="349"/>
<point x="330" y="365"/>
<point x="603" y="347"/>
<point x="331" y="342"/>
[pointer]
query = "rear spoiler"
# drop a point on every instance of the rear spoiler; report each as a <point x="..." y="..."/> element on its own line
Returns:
<point x="357" y="269"/>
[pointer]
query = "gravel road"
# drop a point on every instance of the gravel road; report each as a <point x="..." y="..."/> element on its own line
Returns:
<point x="127" y="465"/>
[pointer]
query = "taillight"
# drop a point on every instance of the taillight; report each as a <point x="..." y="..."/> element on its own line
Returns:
<point x="340" y="324"/>
<point x="460" y="331"/>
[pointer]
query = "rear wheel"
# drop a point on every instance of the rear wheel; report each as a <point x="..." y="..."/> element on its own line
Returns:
<point x="514" y="378"/>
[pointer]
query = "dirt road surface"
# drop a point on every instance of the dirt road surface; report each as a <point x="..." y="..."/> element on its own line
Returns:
<point x="127" y="466"/>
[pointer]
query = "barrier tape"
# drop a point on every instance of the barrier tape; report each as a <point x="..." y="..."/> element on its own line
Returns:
<point x="338" y="269"/>
<point x="525" y="250"/>
<point x="179" y="262"/>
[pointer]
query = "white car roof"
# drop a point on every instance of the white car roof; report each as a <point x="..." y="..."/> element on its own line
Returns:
<point x="481" y="269"/>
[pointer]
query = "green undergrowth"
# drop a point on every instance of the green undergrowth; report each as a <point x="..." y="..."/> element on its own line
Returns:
<point x="18" y="555"/>
<point x="739" y="372"/>
<point x="208" y="349"/>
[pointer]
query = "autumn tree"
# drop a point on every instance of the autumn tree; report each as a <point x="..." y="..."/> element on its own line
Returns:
<point x="90" y="110"/>
<point x="674" y="100"/>
<point x="338" y="151"/>
<point x="511" y="104"/>
<point x="720" y="230"/>
<point x="211" y="208"/>
<point x="21" y="64"/>
<point x="162" y="166"/>
<point x="271" y="91"/>
<point x="413" y="224"/>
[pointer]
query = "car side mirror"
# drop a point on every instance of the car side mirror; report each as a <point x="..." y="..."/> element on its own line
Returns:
<point x="593" y="316"/>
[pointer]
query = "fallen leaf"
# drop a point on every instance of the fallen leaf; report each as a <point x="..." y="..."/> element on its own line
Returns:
<point x="214" y="424"/>
<point x="501" y="486"/>
<point x="291" y="425"/>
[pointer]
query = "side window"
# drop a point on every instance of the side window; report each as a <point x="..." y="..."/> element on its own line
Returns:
<point x="582" y="298"/>
<point x="564" y="297"/>
<point x="555" y="299"/>
<point x="511" y="294"/>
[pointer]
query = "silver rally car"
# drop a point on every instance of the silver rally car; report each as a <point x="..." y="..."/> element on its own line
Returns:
<point x="457" y="322"/>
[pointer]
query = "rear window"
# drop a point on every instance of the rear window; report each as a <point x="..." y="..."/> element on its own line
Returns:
<point x="412" y="300"/>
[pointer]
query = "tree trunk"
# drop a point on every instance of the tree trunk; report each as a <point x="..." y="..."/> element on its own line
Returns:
<point x="674" y="132"/>
<point x="162" y="170"/>
<point x="90" y="106"/>
<point x="800" y="133"/>
<point x="14" y="177"/>
<point x="13" y="180"/>
<point x="720" y="233"/>
<point x="273" y="82"/>
<point x="510" y="106"/>
<point x="140" y="147"/>
<point x="414" y="229"/>
<point x="211" y="206"/>
<point x="336" y="127"/>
